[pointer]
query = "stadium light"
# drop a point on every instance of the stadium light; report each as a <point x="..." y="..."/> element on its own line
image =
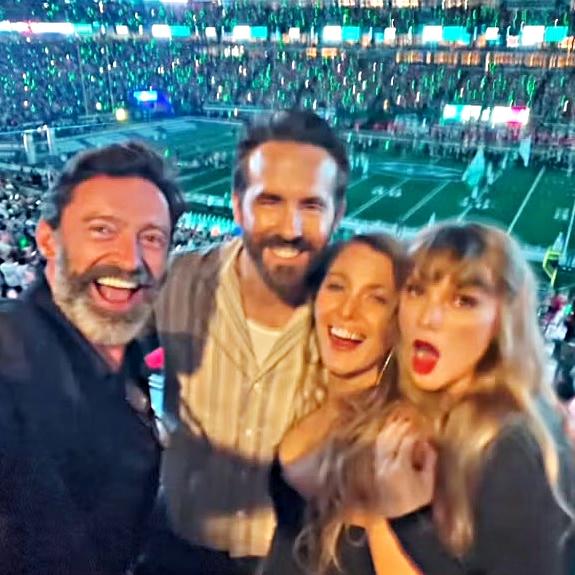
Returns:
<point x="121" y="115"/>
<point x="161" y="31"/>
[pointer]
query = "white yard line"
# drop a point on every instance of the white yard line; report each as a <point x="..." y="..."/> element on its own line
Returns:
<point x="195" y="175"/>
<point x="375" y="199"/>
<point x="423" y="201"/>
<point x="464" y="213"/>
<point x="360" y="181"/>
<point x="569" y="232"/>
<point x="526" y="199"/>
<point x="210" y="185"/>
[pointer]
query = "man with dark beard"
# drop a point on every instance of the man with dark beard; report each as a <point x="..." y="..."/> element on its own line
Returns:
<point x="235" y="324"/>
<point x="79" y="455"/>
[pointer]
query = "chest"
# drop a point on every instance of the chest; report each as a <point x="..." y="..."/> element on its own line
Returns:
<point x="81" y="427"/>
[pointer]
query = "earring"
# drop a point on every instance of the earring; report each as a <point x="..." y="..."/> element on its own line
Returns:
<point x="384" y="367"/>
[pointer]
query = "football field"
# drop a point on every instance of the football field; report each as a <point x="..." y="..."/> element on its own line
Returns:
<point x="401" y="192"/>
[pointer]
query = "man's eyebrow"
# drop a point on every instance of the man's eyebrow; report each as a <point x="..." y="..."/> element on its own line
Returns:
<point x="157" y="227"/>
<point x="97" y="216"/>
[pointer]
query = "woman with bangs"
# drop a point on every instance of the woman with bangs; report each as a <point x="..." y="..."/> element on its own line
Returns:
<point x="472" y="365"/>
<point x="355" y="312"/>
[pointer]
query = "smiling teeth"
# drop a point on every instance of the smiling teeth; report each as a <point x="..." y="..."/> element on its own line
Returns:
<point x="286" y="252"/>
<point x="116" y="283"/>
<point x="343" y="333"/>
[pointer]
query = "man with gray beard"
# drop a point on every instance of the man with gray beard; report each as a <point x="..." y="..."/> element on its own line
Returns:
<point x="79" y="454"/>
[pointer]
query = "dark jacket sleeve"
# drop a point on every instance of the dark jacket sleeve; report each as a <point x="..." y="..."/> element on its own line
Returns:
<point x="520" y="526"/>
<point x="11" y="530"/>
<point x="41" y="531"/>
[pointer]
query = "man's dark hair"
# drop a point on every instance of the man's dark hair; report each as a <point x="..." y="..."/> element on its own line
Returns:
<point x="130" y="159"/>
<point x="291" y="126"/>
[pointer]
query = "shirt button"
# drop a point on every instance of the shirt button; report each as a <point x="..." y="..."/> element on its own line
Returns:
<point x="249" y="432"/>
<point x="258" y="387"/>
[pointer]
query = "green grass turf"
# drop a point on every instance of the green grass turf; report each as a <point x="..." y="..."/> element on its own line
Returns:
<point x="537" y="222"/>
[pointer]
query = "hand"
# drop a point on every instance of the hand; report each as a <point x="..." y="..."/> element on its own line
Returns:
<point x="404" y="469"/>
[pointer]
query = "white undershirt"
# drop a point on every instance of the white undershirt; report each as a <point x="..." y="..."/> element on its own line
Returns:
<point x="263" y="339"/>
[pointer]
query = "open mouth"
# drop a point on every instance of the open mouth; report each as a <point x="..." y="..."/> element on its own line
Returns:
<point x="425" y="357"/>
<point x="117" y="292"/>
<point x="344" y="339"/>
<point x="285" y="253"/>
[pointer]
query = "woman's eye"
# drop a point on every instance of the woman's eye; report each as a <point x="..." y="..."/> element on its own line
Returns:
<point x="379" y="299"/>
<point x="413" y="290"/>
<point x="462" y="300"/>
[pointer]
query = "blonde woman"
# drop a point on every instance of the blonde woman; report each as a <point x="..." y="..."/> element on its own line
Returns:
<point x="472" y="362"/>
<point x="355" y="322"/>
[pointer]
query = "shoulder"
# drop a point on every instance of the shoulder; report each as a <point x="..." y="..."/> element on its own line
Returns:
<point x="186" y="264"/>
<point x="513" y="448"/>
<point x="190" y="285"/>
<point x="198" y="267"/>
<point x="516" y="444"/>
<point x="514" y="481"/>
<point x="21" y="328"/>
<point x="196" y="257"/>
<point x="519" y="519"/>
<point x="14" y="316"/>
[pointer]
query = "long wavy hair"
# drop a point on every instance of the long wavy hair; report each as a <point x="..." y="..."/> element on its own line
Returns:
<point x="509" y="382"/>
<point x="315" y="548"/>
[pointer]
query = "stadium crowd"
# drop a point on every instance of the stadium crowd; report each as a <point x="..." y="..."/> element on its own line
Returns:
<point x="421" y="365"/>
<point x="285" y="360"/>
<point x="46" y="81"/>
<point x="20" y="203"/>
<point x="282" y="15"/>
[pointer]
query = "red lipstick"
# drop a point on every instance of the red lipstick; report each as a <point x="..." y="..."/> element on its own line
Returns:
<point x="425" y="357"/>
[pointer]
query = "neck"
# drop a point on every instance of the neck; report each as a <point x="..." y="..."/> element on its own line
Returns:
<point x="458" y="388"/>
<point x="261" y="303"/>
<point x="112" y="354"/>
<point x="339" y="387"/>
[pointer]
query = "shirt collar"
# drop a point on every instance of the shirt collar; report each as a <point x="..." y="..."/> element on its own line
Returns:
<point x="302" y="317"/>
<point x="231" y="281"/>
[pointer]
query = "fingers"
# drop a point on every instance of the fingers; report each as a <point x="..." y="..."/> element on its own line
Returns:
<point x="406" y="448"/>
<point x="389" y="439"/>
<point x="429" y="459"/>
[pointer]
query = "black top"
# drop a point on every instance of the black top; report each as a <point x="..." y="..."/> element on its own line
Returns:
<point x="78" y="462"/>
<point x="290" y="508"/>
<point x="520" y="529"/>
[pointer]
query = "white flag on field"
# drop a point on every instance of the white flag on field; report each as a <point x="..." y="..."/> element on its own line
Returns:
<point x="525" y="150"/>
<point x="476" y="169"/>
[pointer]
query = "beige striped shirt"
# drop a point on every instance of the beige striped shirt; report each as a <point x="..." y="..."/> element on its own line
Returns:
<point x="238" y="410"/>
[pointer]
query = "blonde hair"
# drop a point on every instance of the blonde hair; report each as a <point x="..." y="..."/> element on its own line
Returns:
<point x="509" y="382"/>
<point x="315" y="547"/>
<point x="346" y="473"/>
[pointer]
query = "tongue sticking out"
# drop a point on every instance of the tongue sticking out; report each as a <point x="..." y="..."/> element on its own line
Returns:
<point x="425" y="357"/>
<point x="115" y="295"/>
